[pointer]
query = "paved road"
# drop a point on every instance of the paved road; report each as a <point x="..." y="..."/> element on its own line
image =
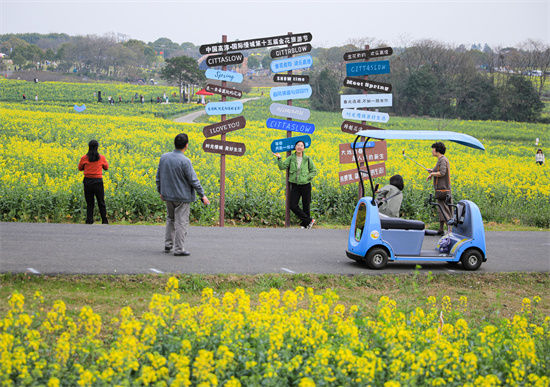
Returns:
<point x="114" y="249"/>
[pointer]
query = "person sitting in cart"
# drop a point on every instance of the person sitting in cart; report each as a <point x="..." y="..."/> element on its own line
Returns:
<point x="390" y="197"/>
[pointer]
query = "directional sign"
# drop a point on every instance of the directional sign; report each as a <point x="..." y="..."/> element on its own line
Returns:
<point x="366" y="68"/>
<point x="375" y="151"/>
<point x="362" y="115"/>
<point x="287" y="111"/>
<point x="353" y="127"/>
<point x="290" y="92"/>
<point x="288" y="64"/>
<point x="255" y="43"/>
<point x="80" y="109"/>
<point x="224" y="147"/>
<point x="364" y="84"/>
<point x="226" y="59"/>
<point x="365" y="100"/>
<point x="289" y="144"/>
<point x="291" y="78"/>
<point x="282" y="52"/>
<point x="224" y="126"/>
<point x="224" y="75"/>
<point x="292" y="126"/>
<point x="352" y="176"/>
<point x="218" y="108"/>
<point x="366" y="54"/>
<point x="233" y="93"/>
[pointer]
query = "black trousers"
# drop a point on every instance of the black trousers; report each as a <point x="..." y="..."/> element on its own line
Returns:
<point x="304" y="192"/>
<point x="93" y="189"/>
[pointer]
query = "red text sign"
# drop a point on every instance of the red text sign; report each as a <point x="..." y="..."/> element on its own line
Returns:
<point x="352" y="175"/>
<point x="353" y="127"/>
<point x="377" y="153"/>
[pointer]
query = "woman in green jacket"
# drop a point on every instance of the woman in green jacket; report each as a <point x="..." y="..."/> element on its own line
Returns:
<point x="300" y="172"/>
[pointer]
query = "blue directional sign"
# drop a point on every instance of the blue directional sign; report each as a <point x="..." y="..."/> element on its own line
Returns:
<point x="219" y="108"/>
<point x="292" y="126"/>
<point x="290" y="92"/>
<point x="289" y="144"/>
<point x="367" y="68"/>
<point x="79" y="109"/>
<point x="365" y="115"/>
<point x="220" y="75"/>
<point x="370" y="144"/>
<point x="287" y="64"/>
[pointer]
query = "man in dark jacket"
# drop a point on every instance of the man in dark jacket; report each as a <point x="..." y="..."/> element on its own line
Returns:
<point x="176" y="183"/>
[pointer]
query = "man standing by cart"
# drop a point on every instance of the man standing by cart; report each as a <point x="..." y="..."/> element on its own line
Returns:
<point x="176" y="183"/>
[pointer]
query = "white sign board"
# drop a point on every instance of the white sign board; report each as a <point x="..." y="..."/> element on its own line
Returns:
<point x="365" y="100"/>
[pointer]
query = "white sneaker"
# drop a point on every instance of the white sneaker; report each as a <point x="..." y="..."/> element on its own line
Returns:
<point x="310" y="225"/>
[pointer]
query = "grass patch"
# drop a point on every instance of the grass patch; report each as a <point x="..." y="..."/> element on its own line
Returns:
<point x="491" y="297"/>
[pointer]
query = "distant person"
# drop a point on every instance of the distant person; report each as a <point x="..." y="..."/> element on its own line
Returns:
<point x="36" y="97"/>
<point x="24" y="97"/>
<point x="539" y="157"/>
<point x="93" y="164"/>
<point x="176" y="183"/>
<point x="442" y="184"/>
<point x="119" y="98"/>
<point x="301" y="171"/>
<point x="390" y="197"/>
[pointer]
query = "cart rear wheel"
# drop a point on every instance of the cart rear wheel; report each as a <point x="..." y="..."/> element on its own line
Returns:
<point x="377" y="258"/>
<point x="471" y="259"/>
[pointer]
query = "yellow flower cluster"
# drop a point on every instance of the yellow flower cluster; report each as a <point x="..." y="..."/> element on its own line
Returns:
<point x="294" y="338"/>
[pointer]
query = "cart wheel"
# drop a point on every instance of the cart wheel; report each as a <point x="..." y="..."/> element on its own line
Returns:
<point x="471" y="259"/>
<point x="377" y="258"/>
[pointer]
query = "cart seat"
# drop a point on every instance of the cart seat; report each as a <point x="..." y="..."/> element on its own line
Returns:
<point x="401" y="224"/>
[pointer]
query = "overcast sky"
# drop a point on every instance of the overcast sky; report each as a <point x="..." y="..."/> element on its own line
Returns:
<point x="332" y="23"/>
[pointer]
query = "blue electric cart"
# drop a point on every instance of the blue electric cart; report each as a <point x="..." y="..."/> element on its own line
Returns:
<point x="377" y="240"/>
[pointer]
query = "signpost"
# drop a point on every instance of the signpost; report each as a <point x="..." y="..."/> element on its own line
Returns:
<point x="220" y="60"/>
<point x="224" y="147"/>
<point x="224" y="127"/>
<point x="221" y="108"/>
<point x="365" y="100"/>
<point x="282" y="52"/>
<point x="367" y="54"/>
<point x="281" y="110"/>
<point x="365" y="115"/>
<point x="255" y="43"/>
<point x="368" y="68"/>
<point x="375" y="151"/>
<point x="367" y="85"/>
<point x="290" y="126"/>
<point x="354" y="127"/>
<point x="233" y="93"/>
<point x="352" y="176"/>
<point x="289" y="64"/>
<point x="290" y="92"/>
<point x="222" y="75"/>
<point x="291" y="78"/>
<point x="289" y="144"/>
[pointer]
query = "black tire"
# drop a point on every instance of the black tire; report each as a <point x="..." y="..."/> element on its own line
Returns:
<point x="471" y="259"/>
<point x="376" y="258"/>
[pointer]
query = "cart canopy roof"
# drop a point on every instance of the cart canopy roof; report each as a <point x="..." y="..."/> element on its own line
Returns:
<point x="460" y="138"/>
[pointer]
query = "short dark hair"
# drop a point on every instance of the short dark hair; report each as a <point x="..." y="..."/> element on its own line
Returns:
<point x="439" y="147"/>
<point x="540" y="150"/>
<point x="181" y="141"/>
<point x="397" y="181"/>
<point x="301" y="142"/>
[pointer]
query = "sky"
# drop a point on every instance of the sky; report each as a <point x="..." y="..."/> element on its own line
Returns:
<point x="332" y="23"/>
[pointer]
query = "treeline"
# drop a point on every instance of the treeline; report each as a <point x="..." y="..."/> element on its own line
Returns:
<point x="429" y="78"/>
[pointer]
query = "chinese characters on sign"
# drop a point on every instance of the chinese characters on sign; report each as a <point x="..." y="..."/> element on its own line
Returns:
<point x="290" y="92"/>
<point x="223" y="147"/>
<point x="288" y="64"/>
<point x="354" y="127"/>
<point x="233" y="93"/>
<point x="352" y="175"/>
<point x="365" y="100"/>
<point x="289" y="144"/>
<point x="362" y="115"/>
<point x="366" y="54"/>
<point x="220" y="108"/>
<point x="377" y="152"/>
<point x="255" y="43"/>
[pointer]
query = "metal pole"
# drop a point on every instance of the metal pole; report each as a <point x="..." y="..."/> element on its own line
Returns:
<point x="361" y="192"/>
<point x="288" y="153"/>
<point x="222" y="156"/>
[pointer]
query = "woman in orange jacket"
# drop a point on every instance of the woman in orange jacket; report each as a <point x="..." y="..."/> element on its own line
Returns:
<point x="93" y="165"/>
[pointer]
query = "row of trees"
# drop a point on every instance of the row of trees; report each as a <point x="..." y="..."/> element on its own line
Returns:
<point x="430" y="78"/>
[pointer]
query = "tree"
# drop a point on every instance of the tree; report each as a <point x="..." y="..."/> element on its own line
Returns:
<point x="266" y="61"/>
<point x="180" y="71"/>
<point x="325" y="90"/>
<point x="519" y="100"/>
<point x="253" y="62"/>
